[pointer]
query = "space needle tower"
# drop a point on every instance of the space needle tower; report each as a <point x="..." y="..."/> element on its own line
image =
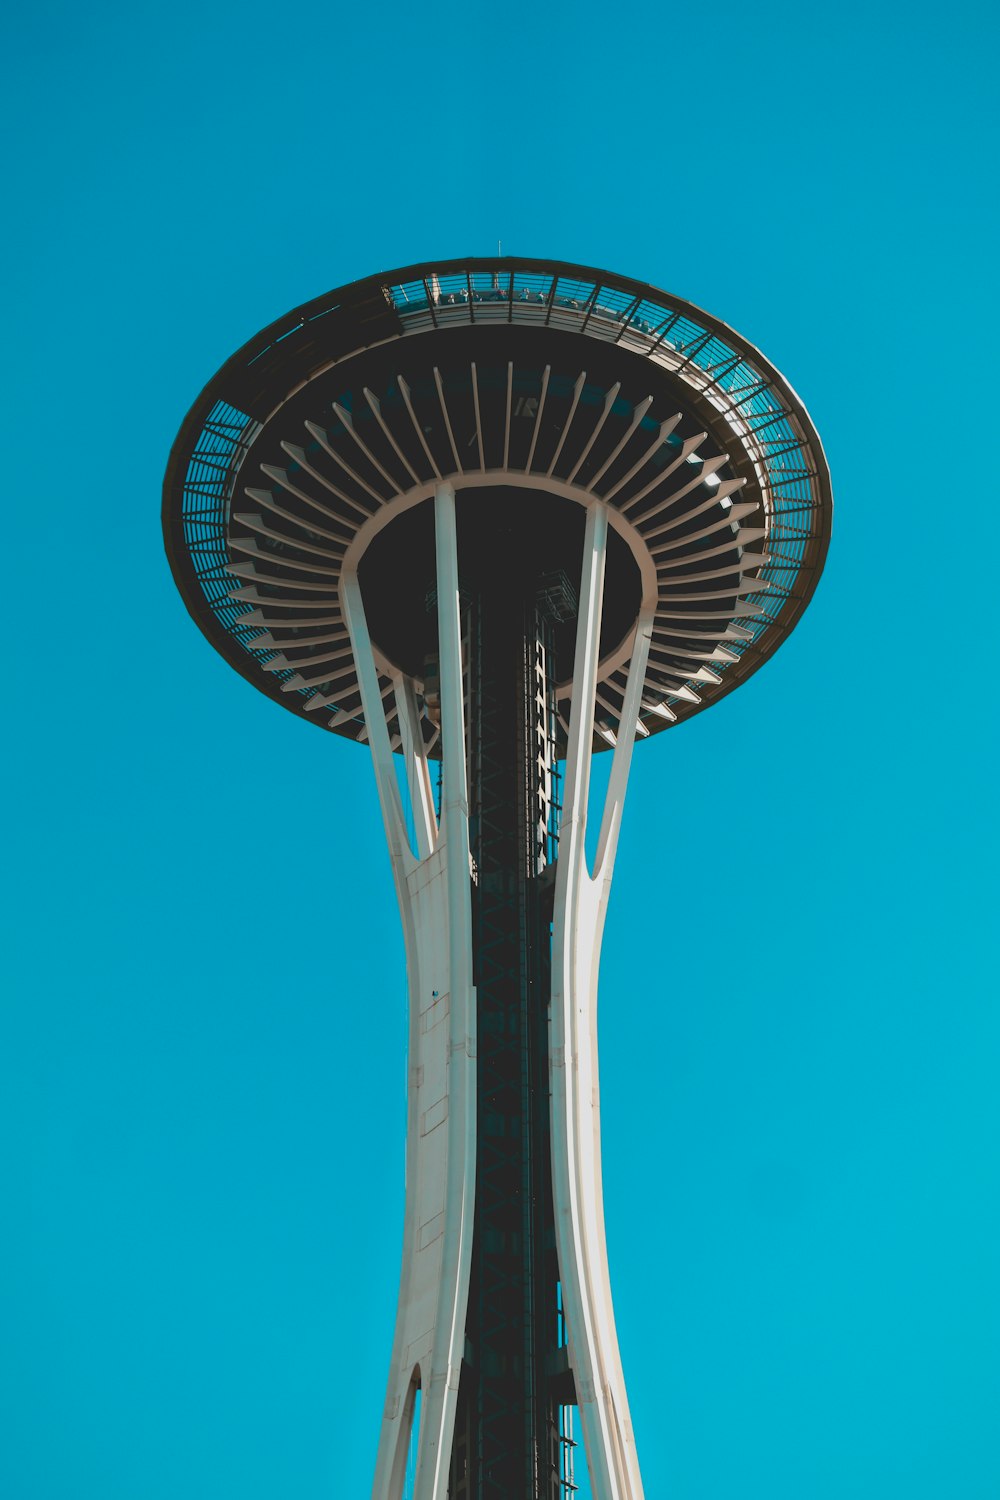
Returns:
<point x="491" y="518"/>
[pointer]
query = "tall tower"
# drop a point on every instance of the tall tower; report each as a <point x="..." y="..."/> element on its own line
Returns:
<point x="492" y="517"/>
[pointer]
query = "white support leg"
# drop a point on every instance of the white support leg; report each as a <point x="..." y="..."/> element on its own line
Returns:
<point x="437" y="1421"/>
<point x="578" y="923"/>
<point x="434" y="892"/>
<point x="418" y="778"/>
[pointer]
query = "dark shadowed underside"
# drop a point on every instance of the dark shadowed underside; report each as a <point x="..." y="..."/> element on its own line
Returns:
<point x="534" y="387"/>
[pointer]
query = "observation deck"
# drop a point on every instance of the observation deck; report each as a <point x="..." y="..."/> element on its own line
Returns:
<point x="532" y="387"/>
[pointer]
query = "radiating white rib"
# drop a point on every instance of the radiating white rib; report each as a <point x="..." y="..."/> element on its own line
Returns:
<point x="280" y="477"/>
<point x="336" y="642"/>
<point x="662" y="711"/>
<point x="666" y="662"/>
<point x="670" y="558"/>
<point x="266" y="642"/>
<point x="315" y="431"/>
<point x="297" y="455"/>
<point x="447" y="420"/>
<point x="538" y="417"/>
<point x="721" y="492"/>
<point x="348" y="421"/>
<point x="405" y="392"/>
<point x="708" y="468"/>
<point x="247" y="570"/>
<point x="323" y="700"/>
<point x="479" y="424"/>
<point x="273" y="622"/>
<point x="345" y="715"/>
<point x="638" y="412"/>
<point x="256" y="523"/>
<point x="267" y="500"/>
<point x="720" y="656"/>
<point x="298" y="681"/>
<point x="506" y="425"/>
<point x="740" y="538"/>
<point x="686" y="449"/>
<point x="667" y="637"/>
<point x="376" y="407"/>
<point x="280" y="663"/>
<point x="663" y="663"/>
<point x="701" y="596"/>
<point x="249" y="548"/>
<point x="731" y="633"/>
<point x="249" y="595"/>
<point x="609" y="402"/>
<point x="738" y="566"/>
<point x="685" y="694"/>
<point x="578" y="387"/>
<point x="666" y="428"/>
<point x="682" y="520"/>
<point x="742" y="508"/>
<point x="605" y="703"/>
<point x="739" y="611"/>
<point x="746" y="609"/>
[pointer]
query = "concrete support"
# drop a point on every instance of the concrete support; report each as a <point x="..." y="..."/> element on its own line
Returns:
<point x="581" y="899"/>
<point x="434" y="893"/>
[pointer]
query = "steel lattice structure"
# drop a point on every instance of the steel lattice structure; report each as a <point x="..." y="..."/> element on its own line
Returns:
<point x="499" y="515"/>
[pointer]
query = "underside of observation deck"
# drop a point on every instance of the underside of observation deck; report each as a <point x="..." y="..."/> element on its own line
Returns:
<point x="502" y="375"/>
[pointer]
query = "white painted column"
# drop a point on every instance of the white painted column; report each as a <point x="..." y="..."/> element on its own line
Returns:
<point x="578" y="923"/>
<point x="434" y="892"/>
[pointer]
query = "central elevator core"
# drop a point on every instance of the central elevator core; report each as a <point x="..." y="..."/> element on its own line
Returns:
<point x="519" y="554"/>
<point x="510" y="537"/>
<point x="507" y="1430"/>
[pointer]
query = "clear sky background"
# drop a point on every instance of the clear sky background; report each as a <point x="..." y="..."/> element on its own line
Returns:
<point x="203" y="1033"/>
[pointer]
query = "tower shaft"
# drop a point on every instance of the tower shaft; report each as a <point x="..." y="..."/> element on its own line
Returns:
<point x="505" y="1310"/>
<point x="505" y="1404"/>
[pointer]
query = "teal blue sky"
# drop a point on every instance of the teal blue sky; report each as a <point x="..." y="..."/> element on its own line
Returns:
<point x="201" y="1109"/>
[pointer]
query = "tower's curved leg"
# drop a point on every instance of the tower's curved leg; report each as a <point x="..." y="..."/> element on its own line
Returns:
<point x="433" y="888"/>
<point x="578" y="922"/>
